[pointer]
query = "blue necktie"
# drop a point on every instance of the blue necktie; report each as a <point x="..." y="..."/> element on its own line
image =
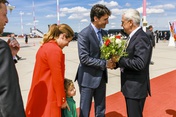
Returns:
<point x="100" y="37"/>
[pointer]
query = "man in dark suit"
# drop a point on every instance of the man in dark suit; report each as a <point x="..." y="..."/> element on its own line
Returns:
<point x="92" y="71"/>
<point x="151" y="36"/>
<point x="135" y="83"/>
<point x="157" y="36"/>
<point x="11" y="104"/>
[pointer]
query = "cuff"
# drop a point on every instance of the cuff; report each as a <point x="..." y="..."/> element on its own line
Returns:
<point x="15" y="59"/>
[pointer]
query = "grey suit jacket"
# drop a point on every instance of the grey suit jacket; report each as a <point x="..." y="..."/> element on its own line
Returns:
<point x="91" y="68"/>
<point x="135" y="77"/>
<point x="11" y="104"/>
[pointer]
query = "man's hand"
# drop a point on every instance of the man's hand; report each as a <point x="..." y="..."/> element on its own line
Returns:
<point x="14" y="46"/>
<point x="110" y="64"/>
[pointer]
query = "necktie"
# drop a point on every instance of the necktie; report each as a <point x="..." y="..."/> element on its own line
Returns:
<point x="128" y="40"/>
<point x="100" y="37"/>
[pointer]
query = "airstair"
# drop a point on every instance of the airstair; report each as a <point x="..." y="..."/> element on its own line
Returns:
<point x="36" y="32"/>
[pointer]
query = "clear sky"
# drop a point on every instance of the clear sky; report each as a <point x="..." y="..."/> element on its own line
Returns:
<point x="76" y="13"/>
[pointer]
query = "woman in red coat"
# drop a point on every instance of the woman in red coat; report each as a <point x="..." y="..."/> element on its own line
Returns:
<point x="47" y="94"/>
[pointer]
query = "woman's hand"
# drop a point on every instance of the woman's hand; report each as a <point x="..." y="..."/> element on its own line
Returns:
<point x="65" y="105"/>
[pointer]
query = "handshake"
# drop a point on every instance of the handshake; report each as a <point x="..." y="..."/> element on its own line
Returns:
<point x="110" y="64"/>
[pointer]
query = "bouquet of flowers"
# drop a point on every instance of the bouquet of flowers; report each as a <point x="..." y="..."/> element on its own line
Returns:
<point x="113" y="48"/>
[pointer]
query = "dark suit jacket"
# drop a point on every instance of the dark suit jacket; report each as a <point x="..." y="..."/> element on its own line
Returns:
<point x="91" y="68"/>
<point x="151" y="36"/>
<point x="135" y="77"/>
<point x="11" y="104"/>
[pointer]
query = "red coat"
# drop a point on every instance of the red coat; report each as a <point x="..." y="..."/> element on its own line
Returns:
<point x="47" y="90"/>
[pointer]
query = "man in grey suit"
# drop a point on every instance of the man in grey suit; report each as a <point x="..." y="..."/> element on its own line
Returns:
<point x="135" y="83"/>
<point x="92" y="71"/>
<point x="11" y="104"/>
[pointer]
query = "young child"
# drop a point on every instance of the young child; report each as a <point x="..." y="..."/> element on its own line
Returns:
<point x="70" y="92"/>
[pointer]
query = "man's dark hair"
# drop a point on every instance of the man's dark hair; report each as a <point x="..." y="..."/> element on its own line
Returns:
<point x="3" y="2"/>
<point x="150" y="27"/>
<point x="99" y="10"/>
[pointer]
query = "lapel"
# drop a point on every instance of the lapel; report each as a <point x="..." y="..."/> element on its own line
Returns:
<point x="93" y="35"/>
<point x="134" y="36"/>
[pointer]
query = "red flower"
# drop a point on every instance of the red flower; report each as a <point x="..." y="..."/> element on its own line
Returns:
<point x="107" y="42"/>
<point x="117" y="36"/>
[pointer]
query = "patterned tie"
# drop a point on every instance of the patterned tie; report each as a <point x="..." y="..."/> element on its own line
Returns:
<point x="128" y="40"/>
<point x="100" y="37"/>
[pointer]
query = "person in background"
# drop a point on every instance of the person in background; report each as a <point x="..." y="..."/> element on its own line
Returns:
<point x="11" y="103"/>
<point x="70" y="92"/>
<point x="135" y="81"/>
<point x="47" y="93"/>
<point x="149" y="32"/>
<point x="26" y="38"/>
<point x="160" y="35"/>
<point x="157" y="35"/>
<point x="165" y="36"/>
<point x="92" y="70"/>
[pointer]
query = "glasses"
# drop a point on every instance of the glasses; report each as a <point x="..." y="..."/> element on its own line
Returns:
<point x="124" y="22"/>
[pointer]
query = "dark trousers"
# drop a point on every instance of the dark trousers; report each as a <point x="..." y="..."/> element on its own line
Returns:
<point x="157" y="40"/>
<point x="99" y="95"/>
<point x="135" y="107"/>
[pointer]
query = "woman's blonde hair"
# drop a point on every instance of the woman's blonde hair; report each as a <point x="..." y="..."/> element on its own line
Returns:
<point x="55" y="30"/>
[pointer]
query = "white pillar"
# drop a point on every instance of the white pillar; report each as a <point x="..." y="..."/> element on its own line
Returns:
<point x="21" y="13"/>
<point x="58" y="10"/>
<point x="144" y="20"/>
<point x="34" y="15"/>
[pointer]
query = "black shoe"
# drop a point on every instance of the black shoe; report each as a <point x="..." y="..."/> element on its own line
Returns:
<point x="19" y="58"/>
<point x="15" y="60"/>
<point x="151" y="63"/>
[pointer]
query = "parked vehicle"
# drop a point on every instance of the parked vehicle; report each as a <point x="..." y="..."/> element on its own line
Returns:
<point x="75" y="37"/>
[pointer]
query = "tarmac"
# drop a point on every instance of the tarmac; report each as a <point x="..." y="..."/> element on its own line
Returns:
<point x="164" y="58"/>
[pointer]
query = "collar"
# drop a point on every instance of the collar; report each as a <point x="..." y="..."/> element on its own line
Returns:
<point x="95" y="29"/>
<point x="134" y="31"/>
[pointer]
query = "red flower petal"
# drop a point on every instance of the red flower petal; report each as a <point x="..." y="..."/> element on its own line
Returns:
<point x="107" y="42"/>
<point x="117" y="36"/>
